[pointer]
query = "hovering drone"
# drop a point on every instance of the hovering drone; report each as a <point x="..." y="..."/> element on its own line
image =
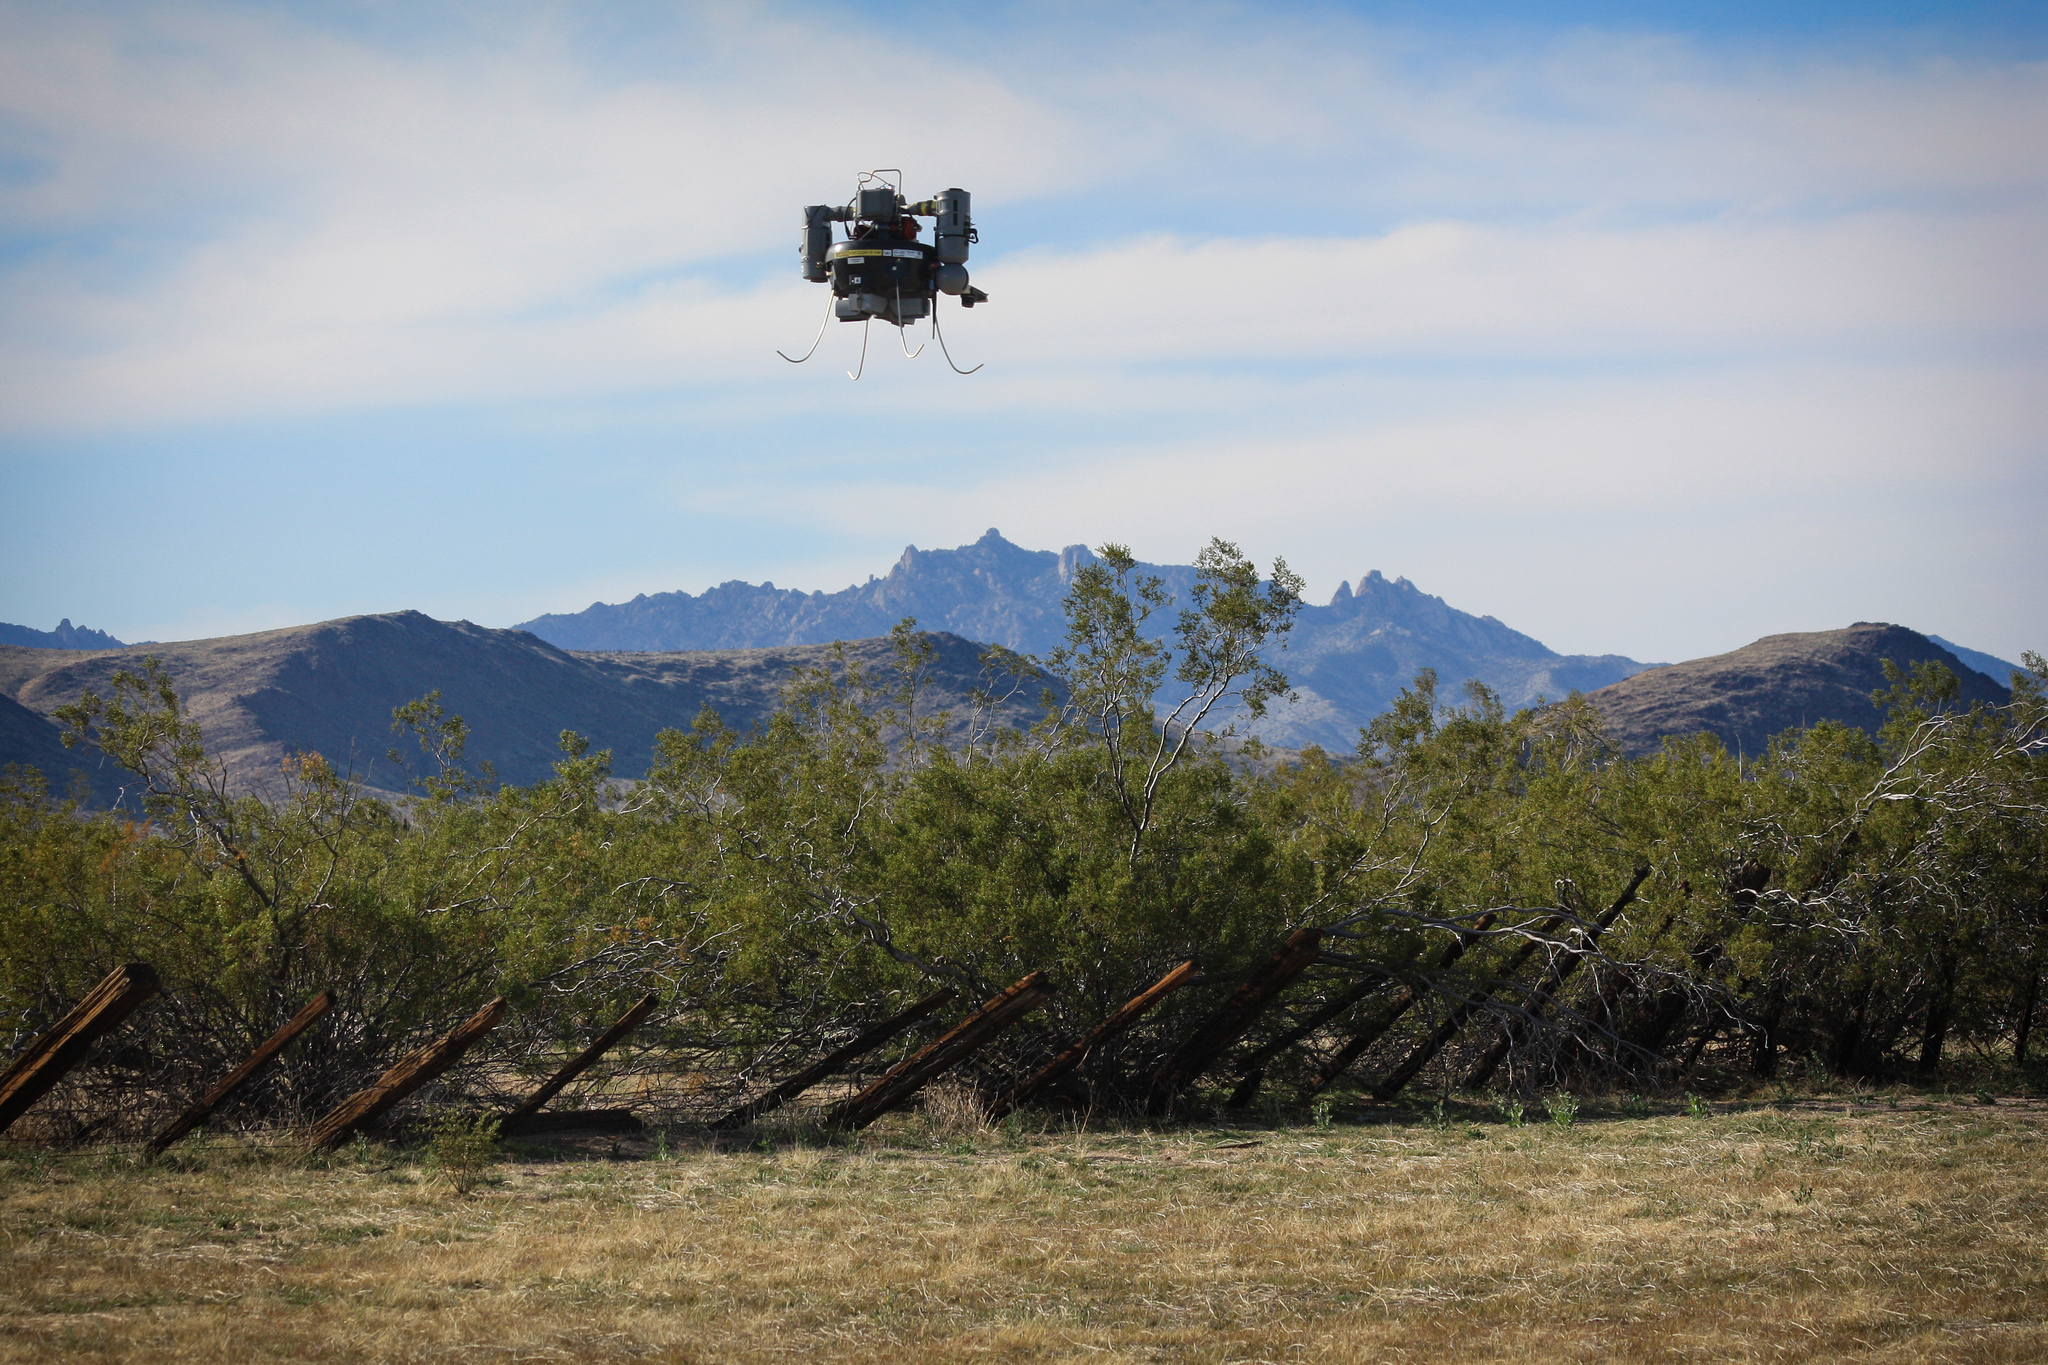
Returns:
<point x="881" y="269"/>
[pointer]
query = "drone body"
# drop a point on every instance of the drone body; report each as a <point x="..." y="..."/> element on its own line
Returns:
<point x="881" y="269"/>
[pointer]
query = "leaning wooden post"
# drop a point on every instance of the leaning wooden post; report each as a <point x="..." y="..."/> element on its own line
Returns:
<point x="65" y="1045"/>
<point x="230" y="1083"/>
<point x="628" y="1021"/>
<point x="2023" y="1023"/>
<point x="1234" y="1016"/>
<point x="1133" y="1010"/>
<point x="1375" y="1029"/>
<point x="1510" y="1035"/>
<point x="411" y="1072"/>
<point x="832" y="1062"/>
<point x="959" y="1043"/>
<point x="1391" y="1015"/>
<point x="1255" y="1065"/>
<point x="1454" y="1022"/>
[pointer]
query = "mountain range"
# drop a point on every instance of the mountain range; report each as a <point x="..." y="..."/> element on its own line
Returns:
<point x="1990" y="665"/>
<point x="65" y="636"/>
<point x="621" y="673"/>
<point x="1347" y="659"/>
<point x="331" y="688"/>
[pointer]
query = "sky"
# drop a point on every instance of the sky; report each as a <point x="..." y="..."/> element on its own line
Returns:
<point x="1649" y="329"/>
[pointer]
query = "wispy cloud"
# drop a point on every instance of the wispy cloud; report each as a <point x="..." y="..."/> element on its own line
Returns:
<point x="241" y="212"/>
<point x="1378" y="268"/>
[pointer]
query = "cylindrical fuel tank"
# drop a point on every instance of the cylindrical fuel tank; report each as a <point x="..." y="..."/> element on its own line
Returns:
<point x="954" y="226"/>
<point x="817" y="241"/>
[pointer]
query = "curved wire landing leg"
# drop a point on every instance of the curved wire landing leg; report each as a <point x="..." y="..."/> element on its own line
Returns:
<point x="942" y="342"/>
<point x="816" y="339"/>
<point x="865" y="324"/>
<point x="908" y="354"/>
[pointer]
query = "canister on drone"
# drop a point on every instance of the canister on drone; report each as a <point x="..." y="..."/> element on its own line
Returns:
<point x="955" y="226"/>
<point x="818" y="219"/>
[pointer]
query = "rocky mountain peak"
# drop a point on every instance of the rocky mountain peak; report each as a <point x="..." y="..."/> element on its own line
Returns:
<point x="1347" y="660"/>
<point x="65" y="636"/>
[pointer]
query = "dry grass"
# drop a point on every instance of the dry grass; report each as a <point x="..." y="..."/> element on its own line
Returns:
<point x="1827" y="1230"/>
<point x="954" y="1110"/>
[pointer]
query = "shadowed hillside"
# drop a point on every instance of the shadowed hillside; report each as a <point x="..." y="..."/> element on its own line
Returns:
<point x="1779" y="683"/>
<point x="330" y="688"/>
<point x="35" y="741"/>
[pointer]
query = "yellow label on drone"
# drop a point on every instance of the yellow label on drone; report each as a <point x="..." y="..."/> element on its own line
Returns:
<point x="878" y="251"/>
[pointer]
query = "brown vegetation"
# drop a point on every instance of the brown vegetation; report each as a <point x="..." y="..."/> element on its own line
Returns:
<point x="1837" y="1227"/>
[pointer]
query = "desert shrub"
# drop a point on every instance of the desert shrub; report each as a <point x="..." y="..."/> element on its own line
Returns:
<point x="461" y="1147"/>
<point x="1860" y="901"/>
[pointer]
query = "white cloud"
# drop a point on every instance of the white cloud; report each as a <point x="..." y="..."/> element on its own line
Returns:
<point x="1888" y="283"/>
<point x="303" y="221"/>
<point x="405" y="227"/>
<point x="1396" y="289"/>
<point x="1767" y="498"/>
<point x="1602" y="445"/>
<point x="1456" y="290"/>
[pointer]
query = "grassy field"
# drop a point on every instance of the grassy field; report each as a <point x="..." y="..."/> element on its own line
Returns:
<point x="1896" y="1227"/>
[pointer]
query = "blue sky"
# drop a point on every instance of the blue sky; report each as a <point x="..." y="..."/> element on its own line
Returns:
<point x="1649" y="329"/>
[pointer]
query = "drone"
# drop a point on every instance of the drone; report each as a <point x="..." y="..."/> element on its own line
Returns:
<point x="881" y="269"/>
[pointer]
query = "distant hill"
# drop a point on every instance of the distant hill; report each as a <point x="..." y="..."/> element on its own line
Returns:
<point x="330" y="688"/>
<point x="1991" y="666"/>
<point x="35" y="741"/>
<point x="65" y="636"/>
<point x="1347" y="660"/>
<point x="1779" y="683"/>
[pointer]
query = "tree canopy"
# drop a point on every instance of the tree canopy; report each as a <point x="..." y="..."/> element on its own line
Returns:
<point x="1503" y="899"/>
